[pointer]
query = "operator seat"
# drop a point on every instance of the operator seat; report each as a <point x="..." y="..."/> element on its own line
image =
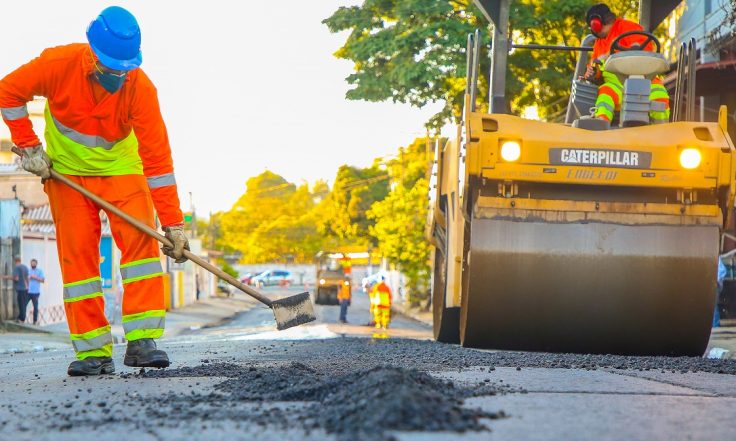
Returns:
<point x="637" y="63"/>
<point x="636" y="69"/>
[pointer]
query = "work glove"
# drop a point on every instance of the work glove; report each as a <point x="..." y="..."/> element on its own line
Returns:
<point x="177" y="237"/>
<point x="36" y="161"/>
<point x="590" y="73"/>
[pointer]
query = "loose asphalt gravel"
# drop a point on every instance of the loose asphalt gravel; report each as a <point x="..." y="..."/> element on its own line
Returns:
<point x="355" y="388"/>
<point x="359" y="388"/>
<point x="358" y="405"/>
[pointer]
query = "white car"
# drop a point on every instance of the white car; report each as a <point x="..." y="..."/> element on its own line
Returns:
<point x="272" y="277"/>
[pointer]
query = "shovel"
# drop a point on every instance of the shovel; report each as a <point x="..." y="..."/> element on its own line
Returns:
<point x="289" y="311"/>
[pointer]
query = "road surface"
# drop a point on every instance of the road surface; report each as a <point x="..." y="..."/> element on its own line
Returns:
<point x="244" y="380"/>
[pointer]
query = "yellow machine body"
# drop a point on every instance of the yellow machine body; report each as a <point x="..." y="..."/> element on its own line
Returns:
<point x="590" y="241"/>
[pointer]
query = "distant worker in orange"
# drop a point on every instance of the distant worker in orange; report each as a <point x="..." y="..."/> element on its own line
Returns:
<point x="606" y="27"/>
<point x="344" y="297"/>
<point x="104" y="131"/>
<point x="344" y="294"/>
<point x="347" y="264"/>
<point x="381" y="303"/>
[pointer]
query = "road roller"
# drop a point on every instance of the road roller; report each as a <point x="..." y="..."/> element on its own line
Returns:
<point x="577" y="236"/>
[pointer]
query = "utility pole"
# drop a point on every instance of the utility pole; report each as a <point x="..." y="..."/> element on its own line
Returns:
<point x="194" y="216"/>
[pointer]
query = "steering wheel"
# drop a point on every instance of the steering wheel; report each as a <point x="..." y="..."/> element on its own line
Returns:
<point x="650" y="38"/>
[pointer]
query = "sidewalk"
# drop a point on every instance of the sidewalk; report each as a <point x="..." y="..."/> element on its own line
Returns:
<point x="206" y="312"/>
<point x="723" y="339"/>
<point x="416" y="313"/>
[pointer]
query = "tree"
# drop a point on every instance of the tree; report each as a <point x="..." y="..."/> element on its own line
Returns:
<point x="409" y="51"/>
<point x="273" y="221"/>
<point x="400" y="218"/>
<point x="724" y="34"/>
<point x="413" y="51"/>
<point x="343" y="212"/>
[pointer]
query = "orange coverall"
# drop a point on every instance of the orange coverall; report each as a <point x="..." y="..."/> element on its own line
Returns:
<point x="116" y="146"/>
<point x="610" y="93"/>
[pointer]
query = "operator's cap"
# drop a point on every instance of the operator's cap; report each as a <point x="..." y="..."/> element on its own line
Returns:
<point x="115" y="38"/>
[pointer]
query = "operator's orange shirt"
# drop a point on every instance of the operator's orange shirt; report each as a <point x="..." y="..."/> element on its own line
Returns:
<point x="64" y="75"/>
<point x="602" y="46"/>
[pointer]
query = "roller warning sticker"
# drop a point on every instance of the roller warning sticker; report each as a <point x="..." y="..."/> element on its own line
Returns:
<point x="600" y="157"/>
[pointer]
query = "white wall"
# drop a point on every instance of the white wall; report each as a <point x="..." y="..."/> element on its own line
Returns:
<point x="51" y="301"/>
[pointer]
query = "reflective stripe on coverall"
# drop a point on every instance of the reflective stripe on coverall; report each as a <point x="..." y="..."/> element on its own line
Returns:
<point x="116" y="146"/>
<point x="381" y="302"/>
<point x="610" y="95"/>
<point x="77" y="222"/>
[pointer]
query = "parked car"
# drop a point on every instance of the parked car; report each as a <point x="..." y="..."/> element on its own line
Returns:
<point x="272" y="277"/>
<point x="224" y="288"/>
<point x="246" y="279"/>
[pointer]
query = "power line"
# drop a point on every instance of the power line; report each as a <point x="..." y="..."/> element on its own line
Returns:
<point x="363" y="182"/>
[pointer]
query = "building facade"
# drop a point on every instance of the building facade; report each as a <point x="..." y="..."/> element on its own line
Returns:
<point x="708" y="22"/>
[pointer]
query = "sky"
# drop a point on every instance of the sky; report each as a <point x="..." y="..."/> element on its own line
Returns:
<point x="244" y="87"/>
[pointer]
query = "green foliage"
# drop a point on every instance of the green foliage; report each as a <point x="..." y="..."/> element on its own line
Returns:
<point x="724" y="34"/>
<point x="229" y="269"/>
<point x="413" y="51"/>
<point x="383" y="205"/>
<point x="408" y="51"/>
<point x="272" y="221"/>
<point x="342" y="213"/>
<point x="400" y="217"/>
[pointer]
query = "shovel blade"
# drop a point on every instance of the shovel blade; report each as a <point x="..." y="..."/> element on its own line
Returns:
<point x="293" y="311"/>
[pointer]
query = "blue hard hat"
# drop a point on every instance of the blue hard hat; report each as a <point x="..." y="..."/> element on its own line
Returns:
<point x="115" y="38"/>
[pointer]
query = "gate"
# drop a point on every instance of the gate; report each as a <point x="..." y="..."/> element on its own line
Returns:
<point x="8" y="303"/>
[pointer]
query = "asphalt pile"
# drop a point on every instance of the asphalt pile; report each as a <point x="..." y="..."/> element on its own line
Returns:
<point x="358" y="405"/>
<point x="365" y="405"/>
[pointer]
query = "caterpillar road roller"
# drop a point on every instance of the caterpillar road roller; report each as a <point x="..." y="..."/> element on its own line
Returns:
<point x="333" y="276"/>
<point x="579" y="237"/>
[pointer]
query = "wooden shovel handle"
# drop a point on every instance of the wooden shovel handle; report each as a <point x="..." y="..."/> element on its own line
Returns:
<point x="145" y="229"/>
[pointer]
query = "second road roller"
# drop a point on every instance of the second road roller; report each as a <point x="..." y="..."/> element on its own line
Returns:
<point x="580" y="237"/>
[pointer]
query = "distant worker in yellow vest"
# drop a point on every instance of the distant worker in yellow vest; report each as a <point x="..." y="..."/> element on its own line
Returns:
<point x="381" y="304"/>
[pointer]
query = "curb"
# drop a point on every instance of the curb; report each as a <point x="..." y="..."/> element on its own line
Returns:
<point x="11" y="326"/>
<point x="412" y="313"/>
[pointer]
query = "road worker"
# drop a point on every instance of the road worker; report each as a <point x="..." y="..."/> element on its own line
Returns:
<point x="347" y="264"/>
<point x="104" y="131"/>
<point x="368" y="285"/>
<point x="606" y="27"/>
<point x="381" y="302"/>
<point x="344" y="296"/>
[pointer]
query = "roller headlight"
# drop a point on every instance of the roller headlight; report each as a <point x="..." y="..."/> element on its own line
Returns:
<point x="321" y="281"/>
<point x="690" y="158"/>
<point x="347" y="283"/>
<point x="510" y="151"/>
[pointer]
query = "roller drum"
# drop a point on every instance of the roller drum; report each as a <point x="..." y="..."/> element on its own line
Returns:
<point x="589" y="287"/>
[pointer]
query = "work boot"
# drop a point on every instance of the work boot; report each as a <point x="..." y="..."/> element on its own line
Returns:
<point x="91" y="366"/>
<point x="143" y="353"/>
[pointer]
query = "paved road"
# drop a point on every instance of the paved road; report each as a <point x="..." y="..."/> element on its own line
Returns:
<point x="243" y="380"/>
<point x="258" y="323"/>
